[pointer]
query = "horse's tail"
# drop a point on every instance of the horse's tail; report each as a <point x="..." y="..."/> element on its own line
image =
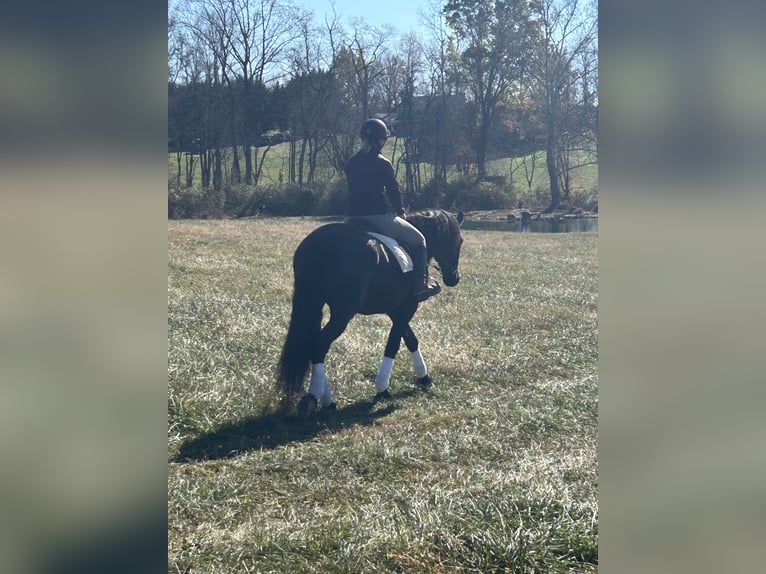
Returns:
<point x="302" y="336"/>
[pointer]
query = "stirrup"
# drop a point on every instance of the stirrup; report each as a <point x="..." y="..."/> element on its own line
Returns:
<point x="428" y="292"/>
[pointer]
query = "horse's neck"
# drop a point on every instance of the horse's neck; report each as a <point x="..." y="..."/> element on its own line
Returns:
<point x="421" y="222"/>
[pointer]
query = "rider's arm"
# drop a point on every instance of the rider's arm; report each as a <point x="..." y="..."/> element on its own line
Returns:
<point x="392" y="188"/>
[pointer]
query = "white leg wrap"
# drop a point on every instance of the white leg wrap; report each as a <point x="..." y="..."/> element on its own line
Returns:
<point x="419" y="365"/>
<point x="318" y="384"/>
<point x="384" y="374"/>
<point x="327" y="398"/>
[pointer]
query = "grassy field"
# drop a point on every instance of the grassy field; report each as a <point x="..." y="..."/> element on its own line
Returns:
<point x="493" y="470"/>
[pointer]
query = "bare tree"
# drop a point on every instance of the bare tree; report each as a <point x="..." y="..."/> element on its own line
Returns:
<point x="411" y="108"/>
<point x="311" y="91"/>
<point x="442" y="87"/>
<point x="263" y="32"/>
<point x="529" y="163"/>
<point x="369" y="46"/>
<point x="493" y="40"/>
<point x="358" y="71"/>
<point x="564" y="57"/>
<point x="248" y="39"/>
<point x="208" y="22"/>
<point x="197" y="119"/>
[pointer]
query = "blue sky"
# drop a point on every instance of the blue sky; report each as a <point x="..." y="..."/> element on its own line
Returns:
<point x="402" y="14"/>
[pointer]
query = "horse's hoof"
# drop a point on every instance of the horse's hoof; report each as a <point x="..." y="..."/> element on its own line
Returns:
<point x="382" y="396"/>
<point x="424" y="383"/>
<point x="307" y="405"/>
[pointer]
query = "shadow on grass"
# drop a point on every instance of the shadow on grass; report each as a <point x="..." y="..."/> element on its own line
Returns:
<point x="271" y="430"/>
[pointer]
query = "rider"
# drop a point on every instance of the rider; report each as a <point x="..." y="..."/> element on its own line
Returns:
<point x="374" y="196"/>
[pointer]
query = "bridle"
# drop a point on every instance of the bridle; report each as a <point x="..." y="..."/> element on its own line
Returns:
<point x="438" y="266"/>
<point x="442" y="267"/>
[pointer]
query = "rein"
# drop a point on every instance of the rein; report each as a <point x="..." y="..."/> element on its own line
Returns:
<point x="436" y="265"/>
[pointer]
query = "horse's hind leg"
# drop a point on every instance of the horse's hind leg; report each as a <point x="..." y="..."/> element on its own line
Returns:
<point x="319" y="388"/>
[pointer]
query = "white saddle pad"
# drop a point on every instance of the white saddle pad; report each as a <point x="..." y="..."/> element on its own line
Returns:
<point x="402" y="257"/>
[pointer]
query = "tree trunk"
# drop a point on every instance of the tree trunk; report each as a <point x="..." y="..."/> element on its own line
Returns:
<point x="301" y="161"/>
<point x="236" y="175"/>
<point x="553" y="177"/>
<point x="564" y="164"/>
<point x="529" y="172"/>
<point x="189" y="170"/>
<point x="313" y="155"/>
<point x="217" y="171"/>
<point x="293" y="158"/>
<point x="259" y="171"/>
<point x="481" y="146"/>
<point x="248" y="163"/>
<point x="550" y="151"/>
<point x="204" y="164"/>
<point x="418" y="179"/>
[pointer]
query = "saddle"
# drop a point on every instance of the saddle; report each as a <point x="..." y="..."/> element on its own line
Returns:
<point x="395" y="249"/>
<point x="399" y="253"/>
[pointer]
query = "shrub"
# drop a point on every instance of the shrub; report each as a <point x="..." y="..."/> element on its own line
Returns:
<point x="485" y="195"/>
<point x="454" y="193"/>
<point x="431" y="194"/>
<point x="294" y="200"/>
<point x="236" y="195"/>
<point x="193" y="204"/>
<point x="536" y="199"/>
<point x="180" y="203"/>
<point x="274" y="200"/>
<point x="464" y="193"/>
<point x="259" y="202"/>
<point x="332" y="198"/>
<point x="585" y="199"/>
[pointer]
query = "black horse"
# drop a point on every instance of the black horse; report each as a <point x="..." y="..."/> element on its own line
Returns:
<point x="340" y="265"/>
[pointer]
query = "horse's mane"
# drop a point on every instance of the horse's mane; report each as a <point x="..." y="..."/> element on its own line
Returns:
<point x="435" y="221"/>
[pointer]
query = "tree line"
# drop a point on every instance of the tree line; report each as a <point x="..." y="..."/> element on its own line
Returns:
<point x="491" y="78"/>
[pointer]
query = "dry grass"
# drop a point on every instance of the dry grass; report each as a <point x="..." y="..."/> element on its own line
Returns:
<point x="493" y="470"/>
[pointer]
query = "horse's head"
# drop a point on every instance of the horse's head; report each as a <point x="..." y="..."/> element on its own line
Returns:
<point x="442" y="232"/>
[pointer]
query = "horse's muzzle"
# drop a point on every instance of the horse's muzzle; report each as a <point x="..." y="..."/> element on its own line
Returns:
<point x="451" y="279"/>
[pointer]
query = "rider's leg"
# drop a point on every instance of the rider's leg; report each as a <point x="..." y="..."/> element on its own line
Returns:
<point x="411" y="237"/>
<point x="419" y="268"/>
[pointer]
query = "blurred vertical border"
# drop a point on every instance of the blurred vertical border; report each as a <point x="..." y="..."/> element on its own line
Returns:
<point x="83" y="287"/>
<point x="682" y="121"/>
<point x="83" y="331"/>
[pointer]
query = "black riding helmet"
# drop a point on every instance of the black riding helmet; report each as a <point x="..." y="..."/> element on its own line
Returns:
<point x="374" y="130"/>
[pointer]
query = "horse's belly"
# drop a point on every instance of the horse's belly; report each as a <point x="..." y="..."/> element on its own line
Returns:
<point x="386" y="292"/>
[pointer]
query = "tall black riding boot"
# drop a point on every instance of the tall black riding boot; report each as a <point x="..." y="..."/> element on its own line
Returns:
<point x="421" y="289"/>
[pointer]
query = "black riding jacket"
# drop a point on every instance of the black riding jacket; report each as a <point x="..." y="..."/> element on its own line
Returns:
<point x="372" y="187"/>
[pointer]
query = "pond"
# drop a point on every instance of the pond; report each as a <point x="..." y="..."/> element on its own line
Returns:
<point x="548" y="225"/>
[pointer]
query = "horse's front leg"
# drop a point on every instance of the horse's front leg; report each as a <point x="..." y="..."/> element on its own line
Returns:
<point x="398" y="332"/>
<point x="418" y="364"/>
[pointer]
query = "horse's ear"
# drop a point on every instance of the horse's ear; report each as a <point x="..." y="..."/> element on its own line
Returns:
<point x="460" y="216"/>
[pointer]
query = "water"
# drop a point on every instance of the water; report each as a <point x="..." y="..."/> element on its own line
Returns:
<point x="552" y="225"/>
